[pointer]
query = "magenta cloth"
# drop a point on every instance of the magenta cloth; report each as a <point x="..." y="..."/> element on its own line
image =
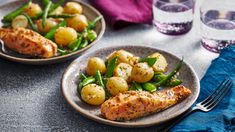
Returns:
<point x="120" y="13"/>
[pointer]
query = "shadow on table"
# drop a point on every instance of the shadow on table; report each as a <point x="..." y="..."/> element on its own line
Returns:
<point x="21" y="76"/>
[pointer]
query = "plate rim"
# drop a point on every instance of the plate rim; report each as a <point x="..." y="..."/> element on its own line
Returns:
<point x="125" y="124"/>
<point x="57" y="58"/>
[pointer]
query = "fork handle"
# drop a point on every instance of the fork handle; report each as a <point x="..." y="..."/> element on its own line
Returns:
<point x="178" y="119"/>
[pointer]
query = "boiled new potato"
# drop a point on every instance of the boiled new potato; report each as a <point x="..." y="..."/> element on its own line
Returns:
<point x="134" y="60"/>
<point x="161" y="63"/>
<point x="94" y="64"/>
<point x="142" y="72"/>
<point x="116" y="85"/>
<point x="33" y="10"/>
<point x="124" y="56"/>
<point x="73" y="8"/>
<point x="19" y="21"/>
<point x="123" y="70"/>
<point x="93" y="94"/>
<point x="78" y="22"/>
<point x="59" y="10"/>
<point x="50" y="23"/>
<point x="65" y="35"/>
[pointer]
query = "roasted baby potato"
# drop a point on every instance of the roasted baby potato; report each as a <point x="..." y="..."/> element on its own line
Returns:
<point x="73" y="8"/>
<point x="93" y="94"/>
<point x="65" y="35"/>
<point x="78" y="22"/>
<point x="33" y="9"/>
<point x="19" y="21"/>
<point x="141" y="73"/>
<point x="116" y="85"/>
<point x="59" y="10"/>
<point x="123" y="70"/>
<point x="50" y="23"/>
<point x="161" y="63"/>
<point x="124" y="56"/>
<point x="94" y="64"/>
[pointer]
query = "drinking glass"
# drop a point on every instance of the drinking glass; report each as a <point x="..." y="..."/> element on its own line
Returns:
<point x="217" y="24"/>
<point x="173" y="17"/>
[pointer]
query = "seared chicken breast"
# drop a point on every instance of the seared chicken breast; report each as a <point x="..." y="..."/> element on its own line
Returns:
<point x="28" y="42"/>
<point x="134" y="104"/>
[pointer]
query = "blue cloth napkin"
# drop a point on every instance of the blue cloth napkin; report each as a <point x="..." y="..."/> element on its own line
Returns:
<point x="222" y="117"/>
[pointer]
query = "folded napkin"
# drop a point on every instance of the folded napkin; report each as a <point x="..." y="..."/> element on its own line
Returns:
<point x="222" y="117"/>
<point x="120" y="13"/>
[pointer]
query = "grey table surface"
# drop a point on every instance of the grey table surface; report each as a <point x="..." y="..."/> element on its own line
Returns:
<point x="30" y="96"/>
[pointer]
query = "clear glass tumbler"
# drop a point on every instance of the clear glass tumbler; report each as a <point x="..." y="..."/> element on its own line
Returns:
<point x="173" y="17"/>
<point x="217" y="24"/>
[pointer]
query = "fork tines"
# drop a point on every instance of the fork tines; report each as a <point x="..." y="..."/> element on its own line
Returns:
<point x="218" y="94"/>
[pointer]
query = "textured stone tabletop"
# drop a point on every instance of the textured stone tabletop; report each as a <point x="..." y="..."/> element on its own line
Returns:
<point x="30" y="96"/>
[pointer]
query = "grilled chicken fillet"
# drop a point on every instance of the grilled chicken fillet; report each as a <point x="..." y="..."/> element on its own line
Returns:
<point x="134" y="104"/>
<point x="28" y="42"/>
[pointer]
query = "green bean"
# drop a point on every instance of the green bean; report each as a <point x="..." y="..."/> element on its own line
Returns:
<point x="50" y="34"/>
<point x="82" y="76"/>
<point x="10" y="16"/>
<point x="87" y="81"/>
<point x="61" y="16"/>
<point x="91" y="35"/>
<point x="39" y="15"/>
<point x="173" y="82"/>
<point x="79" y="88"/>
<point x="45" y="13"/>
<point x="84" y="32"/>
<point x="110" y="67"/>
<point x="159" y="76"/>
<point x="76" y="44"/>
<point x="107" y="94"/>
<point x="83" y="44"/>
<point x="63" y="52"/>
<point x="6" y="24"/>
<point x="102" y="83"/>
<point x="45" y="2"/>
<point x="79" y="43"/>
<point x="132" y="87"/>
<point x="32" y="25"/>
<point x="106" y="63"/>
<point x="150" y="61"/>
<point x="149" y="87"/>
<point x="138" y="87"/>
<point x="105" y="80"/>
<point x="54" y="6"/>
<point x="163" y="81"/>
<point x="92" y="24"/>
<point x="99" y="79"/>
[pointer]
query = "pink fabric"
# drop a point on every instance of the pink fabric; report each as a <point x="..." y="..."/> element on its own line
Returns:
<point x="120" y="13"/>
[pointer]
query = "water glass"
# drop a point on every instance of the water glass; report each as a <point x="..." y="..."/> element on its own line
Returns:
<point x="173" y="17"/>
<point x="217" y="24"/>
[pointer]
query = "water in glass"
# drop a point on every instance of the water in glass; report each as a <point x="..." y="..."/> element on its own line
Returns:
<point x="218" y="29"/>
<point x="173" y="17"/>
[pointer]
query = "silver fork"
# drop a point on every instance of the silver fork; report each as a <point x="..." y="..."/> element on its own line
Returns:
<point x="207" y="104"/>
<point x="2" y="46"/>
